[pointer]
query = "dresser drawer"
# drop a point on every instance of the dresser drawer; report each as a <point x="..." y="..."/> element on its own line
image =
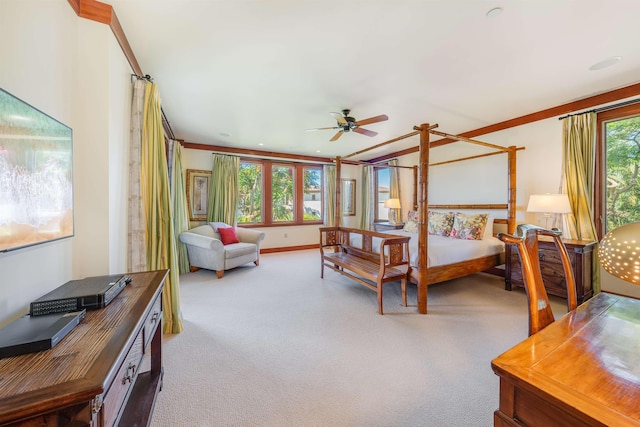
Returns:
<point x="122" y="383"/>
<point x="153" y="320"/>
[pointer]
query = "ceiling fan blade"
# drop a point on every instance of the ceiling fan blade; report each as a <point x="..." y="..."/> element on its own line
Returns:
<point x="365" y="132"/>
<point x="336" y="136"/>
<point x="339" y="117"/>
<point x="376" y="119"/>
<point x="332" y="127"/>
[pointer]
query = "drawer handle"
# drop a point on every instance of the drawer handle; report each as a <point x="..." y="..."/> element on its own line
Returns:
<point x="155" y="317"/>
<point x="129" y="374"/>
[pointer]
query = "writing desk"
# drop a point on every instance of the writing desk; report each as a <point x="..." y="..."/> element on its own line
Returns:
<point x="582" y="370"/>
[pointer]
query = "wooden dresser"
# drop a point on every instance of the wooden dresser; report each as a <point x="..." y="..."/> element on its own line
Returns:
<point x="107" y="371"/>
<point x="581" y="255"/>
<point x="385" y="226"/>
<point x="581" y="370"/>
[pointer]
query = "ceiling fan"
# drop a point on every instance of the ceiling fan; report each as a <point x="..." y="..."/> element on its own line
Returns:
<point x="349" y="124"/>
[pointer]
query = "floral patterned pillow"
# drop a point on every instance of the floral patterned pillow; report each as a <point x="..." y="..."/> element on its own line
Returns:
<point x="468" y="227"/>
<point x="440" y="223"/>
<point x="411" y="224"/>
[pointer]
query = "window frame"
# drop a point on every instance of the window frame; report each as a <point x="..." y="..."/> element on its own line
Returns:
<point x="599" y="197"/>
<point x="298" y="192"/>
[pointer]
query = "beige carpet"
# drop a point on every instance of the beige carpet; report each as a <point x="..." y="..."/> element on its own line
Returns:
<point x="275" y="345"/>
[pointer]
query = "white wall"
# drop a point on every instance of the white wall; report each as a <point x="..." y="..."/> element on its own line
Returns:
<point x="68" y="68"/>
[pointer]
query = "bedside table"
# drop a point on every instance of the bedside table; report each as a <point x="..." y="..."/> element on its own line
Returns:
<point x="581" y="256"/>
<point x="384" y="226"/>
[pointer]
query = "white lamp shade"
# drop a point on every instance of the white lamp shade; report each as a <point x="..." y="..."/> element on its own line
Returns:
<point x="392" y="203"/>
<point x="619" y="252"/>
<point x="549" y="203"/>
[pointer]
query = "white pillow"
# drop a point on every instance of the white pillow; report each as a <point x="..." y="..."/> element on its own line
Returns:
<point x="488" y="229"/>
<point x="215" y="225"/>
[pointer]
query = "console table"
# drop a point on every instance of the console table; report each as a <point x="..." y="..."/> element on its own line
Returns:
<point x="93" y="377"/>
<point x="581" y="370"/>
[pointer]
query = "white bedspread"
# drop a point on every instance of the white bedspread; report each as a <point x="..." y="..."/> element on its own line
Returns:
<point x="444" y="250"/>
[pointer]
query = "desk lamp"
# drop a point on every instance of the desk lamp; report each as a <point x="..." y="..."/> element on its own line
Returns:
<point x="392" y="204"/>
<point x="549" y="204"/>
<point x="619" y="252"/>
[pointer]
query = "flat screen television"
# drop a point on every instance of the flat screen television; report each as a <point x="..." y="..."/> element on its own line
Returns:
<point x="36" y="176"/>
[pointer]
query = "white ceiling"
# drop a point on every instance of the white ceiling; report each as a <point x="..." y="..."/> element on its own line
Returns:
<point x="256" y="73"/>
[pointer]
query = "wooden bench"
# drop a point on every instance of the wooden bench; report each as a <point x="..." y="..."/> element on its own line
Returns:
<point x="355" y="254"/>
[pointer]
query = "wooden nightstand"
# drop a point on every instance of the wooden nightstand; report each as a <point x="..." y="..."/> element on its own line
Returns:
<point x="581" y="255"/>
<point x="384" y="226"/>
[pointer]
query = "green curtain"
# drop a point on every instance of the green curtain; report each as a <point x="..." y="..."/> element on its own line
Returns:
<point x="578" y="177"/>
<point x="223" y="192"/>
<point x="329" y="195"/>
<point x="394" y="186"/>
<point x="366" y="199"/>
<point x="179" y="204"/>
<point x="160" y="236"/>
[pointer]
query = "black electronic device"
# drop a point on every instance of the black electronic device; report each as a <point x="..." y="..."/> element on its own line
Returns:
<point x="90" y="293"/>
<point x="30" y="334"/>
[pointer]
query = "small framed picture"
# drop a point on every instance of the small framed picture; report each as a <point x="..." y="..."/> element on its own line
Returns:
<point x="198" y="182"/>
<point x="348" y="199"/>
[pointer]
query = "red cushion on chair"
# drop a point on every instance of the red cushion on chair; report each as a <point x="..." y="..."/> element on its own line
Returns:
<point x="228" y="235"/>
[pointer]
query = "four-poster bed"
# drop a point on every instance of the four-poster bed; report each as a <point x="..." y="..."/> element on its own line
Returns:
<point x="419" y="273"/>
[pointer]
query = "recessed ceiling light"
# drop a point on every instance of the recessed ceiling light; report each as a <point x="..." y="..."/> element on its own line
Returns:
<point x="261" y="144"/>
<point x="605" y="63"/>
<point x="494" y="12"/>
<point x="224" y="134"/>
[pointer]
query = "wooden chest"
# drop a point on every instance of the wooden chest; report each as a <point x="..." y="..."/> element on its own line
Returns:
<point x="581" y="255"/>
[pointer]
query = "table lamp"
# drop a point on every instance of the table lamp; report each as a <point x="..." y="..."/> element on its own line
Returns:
<point x="549" y="204"/>
<point x="392" y="204"/>
<point x="619" y="252"/>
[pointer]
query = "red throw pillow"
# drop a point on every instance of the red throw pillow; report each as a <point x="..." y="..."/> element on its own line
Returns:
<point x="228" y="235"/>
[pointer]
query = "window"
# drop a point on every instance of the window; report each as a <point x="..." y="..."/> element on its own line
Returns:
<point x="618" y="188"/>
<point x="276" y="193"/>
<point x="382" y="185"/>
<point x="312" y="194"/>
<point x="250" y="197"/>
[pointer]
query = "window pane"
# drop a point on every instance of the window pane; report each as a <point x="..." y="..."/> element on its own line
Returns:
<point x="622" y="140"/>
<point x="282" y="193"/>
<point x="312" y="194"/>
<point x="382" y="193"/>
<point x="250" y="197"/>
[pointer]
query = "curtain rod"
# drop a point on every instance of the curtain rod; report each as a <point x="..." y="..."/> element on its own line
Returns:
<point x="148" y="78"/>
<point x="608" y="107"/>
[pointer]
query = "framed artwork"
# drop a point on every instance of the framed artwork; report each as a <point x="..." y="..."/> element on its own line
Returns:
<point x="348" y="197"/>
<point x="36" y="176"/>
<point x="198" y="182"/>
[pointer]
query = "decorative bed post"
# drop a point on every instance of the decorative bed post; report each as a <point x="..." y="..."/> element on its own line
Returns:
<point x="423" y="234"/>
<point x="338" y="214"/>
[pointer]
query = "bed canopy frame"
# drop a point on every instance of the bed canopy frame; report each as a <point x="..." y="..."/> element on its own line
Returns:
<point x="421" y="198"/>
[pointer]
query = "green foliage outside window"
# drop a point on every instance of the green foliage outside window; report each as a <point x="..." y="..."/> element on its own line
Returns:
<point x="282" y="193"/>
<point x="250" y="197"/>
<point x="623" y="162"/>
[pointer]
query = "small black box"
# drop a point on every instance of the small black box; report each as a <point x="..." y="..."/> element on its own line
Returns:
<point x="30" y="334"/>
<point x="90" y="293"/>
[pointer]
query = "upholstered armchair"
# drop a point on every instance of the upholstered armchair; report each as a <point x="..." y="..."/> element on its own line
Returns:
<point x="206" y="249"/>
